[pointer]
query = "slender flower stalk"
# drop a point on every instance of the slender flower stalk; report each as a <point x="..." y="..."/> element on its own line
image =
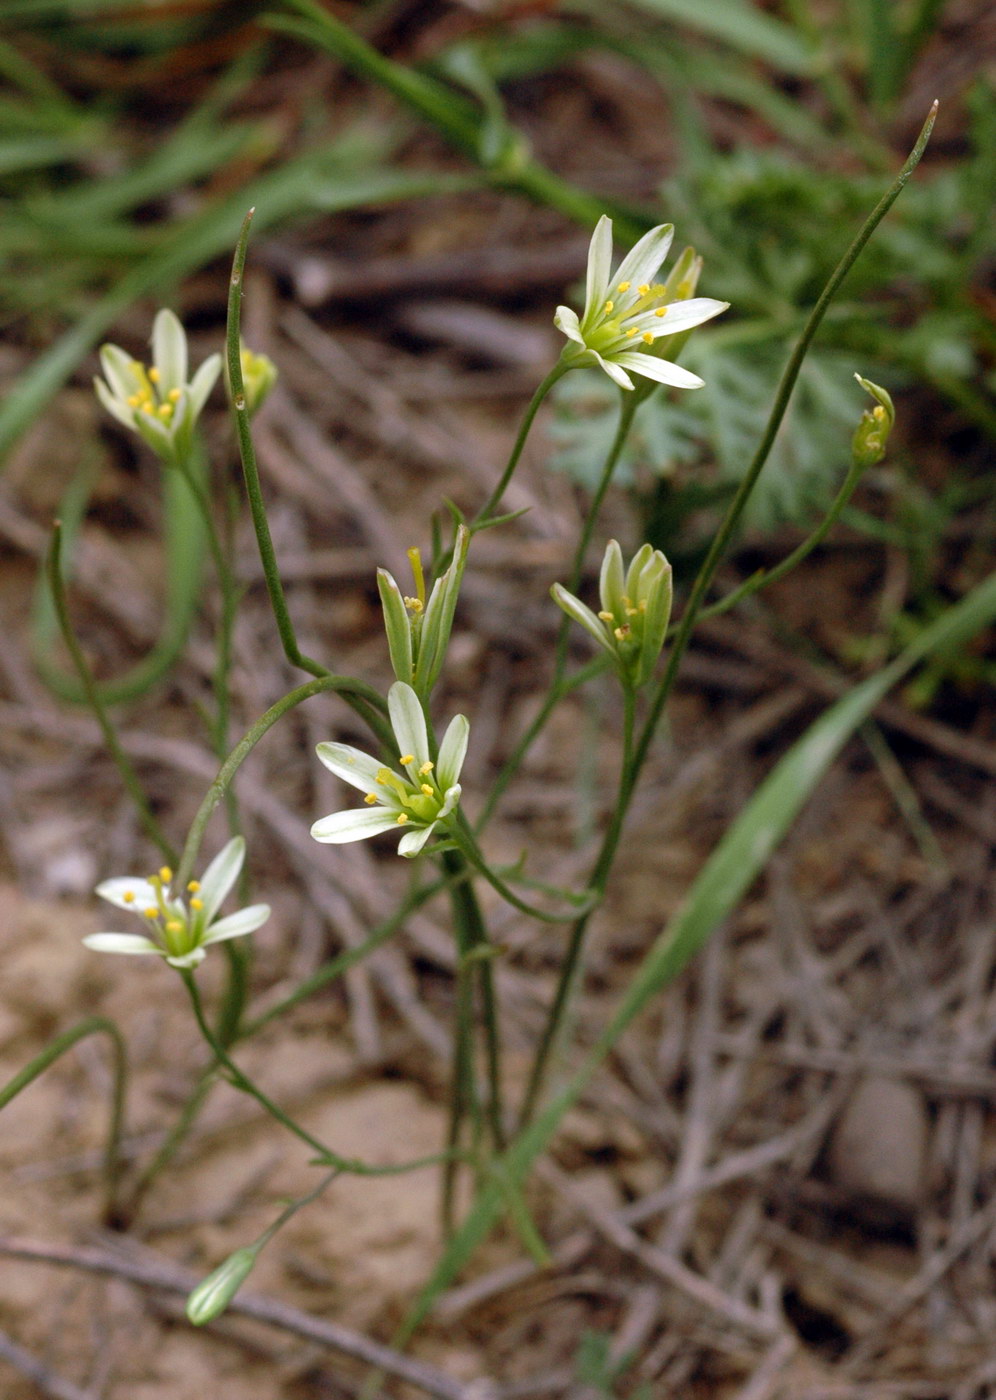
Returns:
<point x="417" y="795"/>
<point x="627" y="313"/>
<point x="158" y="402"/>
<point x="181" y="929"/>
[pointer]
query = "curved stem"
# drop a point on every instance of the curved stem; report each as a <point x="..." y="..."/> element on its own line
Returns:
<point x="463" y="838"/>
<point x="93" y="1025"/>
<point x="489" y="509"/>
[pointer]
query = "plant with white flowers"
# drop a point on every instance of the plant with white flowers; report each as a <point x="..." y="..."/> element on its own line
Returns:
<point x="628" y="313"/>
<point x="181" y="929"/>
<point x="158" y="402"/>
<point x="418" y="795"/>
<point x="636" y="606"/>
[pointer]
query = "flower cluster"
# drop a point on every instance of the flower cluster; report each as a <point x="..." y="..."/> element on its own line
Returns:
<point x="157" y="402"/>
<point x="628" y="316"/>
<point x="415" y="797"/>
<point x="636" y="606"/>
<point x="418" y="632"/>
<point x="181" y="929"/>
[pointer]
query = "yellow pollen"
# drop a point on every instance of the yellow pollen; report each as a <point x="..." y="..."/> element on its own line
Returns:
<point x="165" y="874"/>
<point x="133" y="400"/>
<point x="648" y="337"/>
<point x="606" y="617"/>
<point x="406" y="758"/>
<point x="151" y="913"/>
<point x="643" y="288"/>
<point x="174" y="926"/>
<point x="370" y="798"/>
<point x="426" y="768"/>
<point x="609" y="307"/>
<point x="643" y="605"/>
<point x="153" y="375"/>
<point x="621" y="633"/>
<point x="632" y="612"/>
<point x="175" y="395"/>
<point x="661" y="311"/>
<point x="402" y="818"/>
<point x="165" y="411"/>
<point x="878" y="412"/>
<point x="427" y="789"/>
<point x="631" y="331"/>
<point x="196" y="904"/>
<point x="129" y="896"/>
<point x="413" y="604"/>
<point x="624" y="286"/>
<point x="193" y="886"/>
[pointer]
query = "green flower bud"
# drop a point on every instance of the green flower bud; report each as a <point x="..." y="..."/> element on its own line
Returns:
<point x="259" y="374"/>
<point x="418" y="632"/>
<point x="212" y="1295"/>
<point x="636" y="607"/>
<point x="872" y="434"/>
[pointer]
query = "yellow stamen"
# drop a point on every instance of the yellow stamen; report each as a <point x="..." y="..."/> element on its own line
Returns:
<point x="426" y="768"/>
<point x="406" y="758"/>
<point x="196" y="904"/>
<point x="402" y="818"/>
<point x="631" y="331"/>
<point x="878" y="413"/>
<point x="648" y="337"/>
<point x="413" y="604"/>
<point x="174" y="926"/>
<point x="427" y="789"/>
<point x="153" y="375"/>
<point x="129" y="896"/>
<point x="165" y="412"/>
<point x="193" y="886"/>
<point x="624" y="286"/>
<point x="608" y="308"/>
<point x="606" y="617"/>
<point x="621" y="633"/>
<point x="632" y="612"/>
<point x="165" y="874"/>
<point x="370" y="798"/>
<point x="175" y="395"/>
<point x="661" y="311"/>
<point x="151" y="913"/>
<point x="643" y="288"/>
<point x="133" y="400"/>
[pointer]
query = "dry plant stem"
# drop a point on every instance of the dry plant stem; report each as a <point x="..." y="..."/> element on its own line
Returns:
<point x="93" y="1025"/>
<point x="637" y="758"/>
<point x="151" y="1271"/>
<point x="128" y="775"/>
<point x="41" y="1375"/>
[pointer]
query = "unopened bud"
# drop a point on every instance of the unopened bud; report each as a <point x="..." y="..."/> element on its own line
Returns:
<point x="872" y="434"/>
<point x="212" y="1295"/>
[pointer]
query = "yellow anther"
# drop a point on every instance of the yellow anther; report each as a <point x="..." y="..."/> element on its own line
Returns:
<point x="370" y="798"/>
<point x="174" y="926"/>
<point x="129" y="896"/>
<point x="175" y="395"/>
<point x="609" y="307"/>
<point x="621" y="633"/>
<point x="151" y="913"/>
<point x="413" y="604"/>
<point x="661" y="311"/>
<point x="426" y="768"/>
<point x="406" y="758"/>
<point x="606" y="617"/>
<point x="631" y="331"/>
<point x="153" y="375"/>
<point x="643" y="605"/>
<point x="878" y="413"/>
<point x="643" y="288"/>
<point x="648" y="337"/>
<point x="193" y="886"/>
<point x="133" y="400"/>
<point x="165" y="412"/>
<point x="402" y="818"/>
<point x="632" y="612"/>
<point x="196" y="904"/>
<point x="624" y="286"/>
<point x="427" y="789"/>
<point x="165" y="874"/>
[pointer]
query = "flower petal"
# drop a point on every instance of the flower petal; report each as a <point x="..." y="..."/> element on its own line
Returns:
<point x="130" y="893"/>
<point x="452" y="752"/>
<point x="191" y="959"/>
<point x="353" y="766"/>
<point x="203" y="382"/>
<point x="122" y="943"/>
<point x="664" y="371"/>
<point x="115" y="406"/>
<point x="450" y="799"/>
<point x="117" y="366"/>
<point x="643" y="262"/>
<point x="220" y="876"/>
<point x="567" y="321"/>
<point x="169" y="352"/>
<point x="235" y="925"/>
<point x="611" y="367"/>
<point x="408" y="723"/>
<point x="413" y="841"/>
<point x="355" y="825"/>
<point x="599" y="267"/>
<point x="582" y="614"/>
<point x="611" y="580"/>
<point x="683" y="315"/>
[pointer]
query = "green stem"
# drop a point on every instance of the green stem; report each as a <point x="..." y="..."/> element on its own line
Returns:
<point x="242" y="1082"/>
<point x="490" y="508"/>
<point x="93" y="1025"/>
<point x="463" y="838"/>
<point x="346" y="686"/>
<point x="92" y="694"/>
